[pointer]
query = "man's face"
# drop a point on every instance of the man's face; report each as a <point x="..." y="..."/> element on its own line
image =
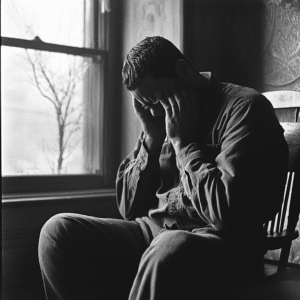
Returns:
<point x="148" y="93"/>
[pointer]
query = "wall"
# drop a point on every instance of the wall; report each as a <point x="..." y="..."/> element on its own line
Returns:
<point x="145" y="18"/>
<point x="281" y="48"/>
<point x="22" y="220"/>
<point x="249" y="42"/>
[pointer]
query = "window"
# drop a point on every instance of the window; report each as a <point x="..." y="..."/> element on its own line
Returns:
<point x="53" y="61"/>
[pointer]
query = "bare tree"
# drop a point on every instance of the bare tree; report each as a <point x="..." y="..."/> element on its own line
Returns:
<point x="56" y="80"/>
<point x="59" y="89"/>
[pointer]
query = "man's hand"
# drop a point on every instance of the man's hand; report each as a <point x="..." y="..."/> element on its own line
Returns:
<point x="153" y="127"/>
<point x="182" y="107"/>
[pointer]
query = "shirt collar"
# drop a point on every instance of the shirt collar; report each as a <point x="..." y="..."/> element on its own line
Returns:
<point x="213" y="83"/>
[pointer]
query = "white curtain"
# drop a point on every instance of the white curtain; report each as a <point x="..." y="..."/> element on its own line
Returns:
<point x="96" y="36"/>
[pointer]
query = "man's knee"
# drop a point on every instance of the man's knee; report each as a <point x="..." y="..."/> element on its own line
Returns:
<point x="55" y="227"/>
<point x="54" y="233"/>
<point x="169" y="248"/>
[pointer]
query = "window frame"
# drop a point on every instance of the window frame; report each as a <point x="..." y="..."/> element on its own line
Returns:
<point x="39" y="184"/>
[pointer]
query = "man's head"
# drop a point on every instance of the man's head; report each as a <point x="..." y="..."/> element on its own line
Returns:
<point x="155" y="56"/>
<point x="151" y="64"/>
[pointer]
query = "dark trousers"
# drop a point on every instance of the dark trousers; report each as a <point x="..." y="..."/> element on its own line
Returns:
<point x="83" y="257"/>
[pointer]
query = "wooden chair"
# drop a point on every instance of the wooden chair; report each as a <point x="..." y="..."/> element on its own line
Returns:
<point x="282" y="229"/>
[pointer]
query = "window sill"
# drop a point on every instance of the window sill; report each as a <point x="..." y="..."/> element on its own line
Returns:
<point x="24" y="213"/>
<point x="50" y="196"/>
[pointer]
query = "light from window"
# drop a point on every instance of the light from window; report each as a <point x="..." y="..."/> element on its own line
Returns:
<point x="42" y="112"/>
<point x="51" y="111"/>
<point x="54" y="21"/>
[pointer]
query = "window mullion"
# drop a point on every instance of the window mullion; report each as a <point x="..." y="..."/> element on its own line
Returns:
<point x="38" y="44"/>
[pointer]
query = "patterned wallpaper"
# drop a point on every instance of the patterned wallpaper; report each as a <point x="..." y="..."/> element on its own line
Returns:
<point x="281" y="45"/>
<point x="281" y="60"/>
<point x="249" y="42"/>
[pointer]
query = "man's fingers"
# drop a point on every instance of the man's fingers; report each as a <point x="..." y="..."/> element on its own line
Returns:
<point x="172" y="101"/>
<point x="137" y="105"/>
<point x="167" y="106"/>
<point x="185" y="94"/>
<point x="141" y="110"/>
<point x="179" y="97"/>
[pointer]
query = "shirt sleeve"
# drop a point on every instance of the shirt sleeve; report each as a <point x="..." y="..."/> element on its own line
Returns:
<point x="137" y="182"/>
<point x="227" y="183"/>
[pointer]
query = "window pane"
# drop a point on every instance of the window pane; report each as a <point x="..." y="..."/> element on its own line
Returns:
<point x="54" y="21"/>
<point x="42" y="112"/>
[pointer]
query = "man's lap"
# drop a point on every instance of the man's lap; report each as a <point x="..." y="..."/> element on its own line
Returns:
<point x="78" y="253"/>
<point x="112" y="250"/>
<point x="187" y="264"/>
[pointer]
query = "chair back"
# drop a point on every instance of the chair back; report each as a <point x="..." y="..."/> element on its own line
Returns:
<point x="282" y="228"/>
<point x="286" y="105"/>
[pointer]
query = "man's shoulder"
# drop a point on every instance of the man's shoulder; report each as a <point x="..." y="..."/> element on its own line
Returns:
<point x="237" y="96"/>
<point x="233" y="93"/>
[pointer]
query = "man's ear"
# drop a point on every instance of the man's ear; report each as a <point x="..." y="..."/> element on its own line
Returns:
<point x="183" y="69"/>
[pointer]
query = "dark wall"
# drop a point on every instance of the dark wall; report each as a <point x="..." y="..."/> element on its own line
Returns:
<point x="22" y="221"/>
<point x="249" y="42"/>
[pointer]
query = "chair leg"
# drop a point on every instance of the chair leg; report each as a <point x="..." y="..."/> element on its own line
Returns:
<point x="284" y="256"/>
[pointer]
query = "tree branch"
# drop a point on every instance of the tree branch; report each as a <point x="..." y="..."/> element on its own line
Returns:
<point x="48" y="81"/>
<point x="36" y="79"/>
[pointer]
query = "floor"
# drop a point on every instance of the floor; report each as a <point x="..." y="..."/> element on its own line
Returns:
<point x="283" y="287"/>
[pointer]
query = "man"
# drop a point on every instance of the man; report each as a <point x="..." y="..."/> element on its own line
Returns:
<point x="207" y="171"/>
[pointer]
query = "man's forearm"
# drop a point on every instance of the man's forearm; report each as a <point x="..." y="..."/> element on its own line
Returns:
<point x="153" y="144"/>
<point x="137" y="182"/>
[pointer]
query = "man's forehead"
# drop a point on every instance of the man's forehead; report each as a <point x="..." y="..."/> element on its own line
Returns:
<point x="146" y="89"/>
<point x="150" y="86"/>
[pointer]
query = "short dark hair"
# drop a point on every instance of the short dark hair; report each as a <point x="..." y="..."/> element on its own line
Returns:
<point x="155" y="56"/>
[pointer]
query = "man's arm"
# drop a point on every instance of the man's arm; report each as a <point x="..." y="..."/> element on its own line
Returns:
<point x="234" y="191"/>
<point x="138" y="175"/>
<point x="231" y="184"/>
<point x="137" y="181"/>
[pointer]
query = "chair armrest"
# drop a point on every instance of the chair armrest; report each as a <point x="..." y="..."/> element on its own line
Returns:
<point x="278" y="240"/>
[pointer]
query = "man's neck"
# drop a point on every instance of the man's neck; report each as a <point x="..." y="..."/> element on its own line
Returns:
<point x="199" y="81"/>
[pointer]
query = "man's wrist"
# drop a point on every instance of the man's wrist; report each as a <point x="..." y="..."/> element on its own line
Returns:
<point x="178" y="145"/>
<point x="152" y="144"/>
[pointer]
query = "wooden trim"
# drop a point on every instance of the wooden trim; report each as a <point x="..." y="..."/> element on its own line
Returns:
<point x="23" y="218"/>
<point x="38" y="44"/>
<point x="181" y="25"/>
<point x="50" y="196"/>
<point x="276" y="263"/>
<point x="52" y="183"/>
